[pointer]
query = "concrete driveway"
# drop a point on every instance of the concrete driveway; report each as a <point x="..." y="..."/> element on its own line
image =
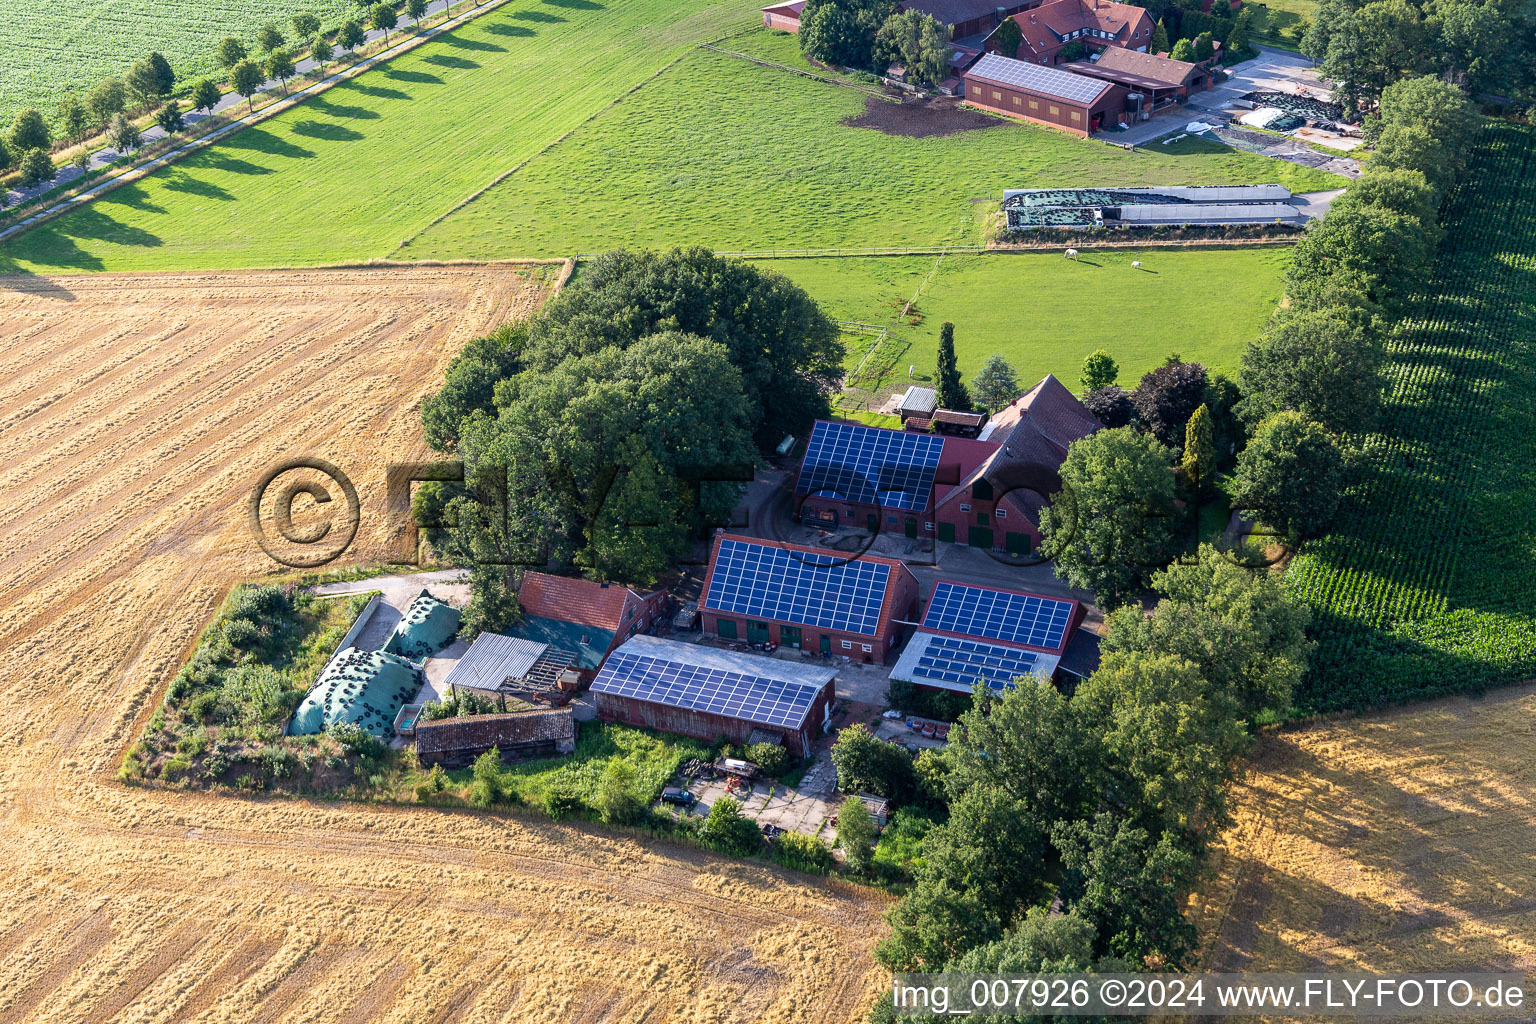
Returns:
<point x="1271" y="71"/>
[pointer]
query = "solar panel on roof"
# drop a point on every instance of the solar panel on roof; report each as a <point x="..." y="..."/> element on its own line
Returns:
<point x="767" y="582"/>
<point x="1044" y="80"/>
<point x="893" y="468"/>
<point x="948" y="660"/>
<point x="698" y="688"/>
<point x="998" y="614"/>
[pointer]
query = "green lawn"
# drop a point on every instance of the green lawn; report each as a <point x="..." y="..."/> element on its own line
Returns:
<point x="775" y="168"/>
<point x="1275" y="20"/>
<point x="1044" y="313"/>
<point x="349" y="174"/>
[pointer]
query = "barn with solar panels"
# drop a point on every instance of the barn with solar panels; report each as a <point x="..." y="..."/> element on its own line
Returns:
<point x="1044" y="95"/>
<point x="975" y="634"/>
<point x="770" y="592"/>
<point x="879" y="479"/>
<point x="708" y="693"/>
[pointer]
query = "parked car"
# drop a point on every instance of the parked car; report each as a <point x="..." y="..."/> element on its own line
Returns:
<point x="678" y="795"/>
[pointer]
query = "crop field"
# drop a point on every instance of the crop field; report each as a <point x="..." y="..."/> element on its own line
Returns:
<point x="1044" y="313"/>
<point x="138" y="412"/>
<point x="356" y="172"/>
<point x="51" y="48"/>
<point x="352" y="172"/>
<point x="1394" y="842"/>
<point x="728" y="154"/>
<point x="1428" y="583"/>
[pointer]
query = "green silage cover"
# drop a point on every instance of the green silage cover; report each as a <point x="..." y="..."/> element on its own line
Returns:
<point x="427" y="626"/>
<point x="364" y="687"/>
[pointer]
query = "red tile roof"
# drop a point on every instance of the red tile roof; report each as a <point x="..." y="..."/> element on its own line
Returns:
<point x="1165" y="70"/>
<point x="1047" y="28"/>
<point x="567" y="599"/>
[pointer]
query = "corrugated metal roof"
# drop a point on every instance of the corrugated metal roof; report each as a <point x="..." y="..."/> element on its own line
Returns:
<point x="493" y="659"/>
<point x="1044" y="81"/>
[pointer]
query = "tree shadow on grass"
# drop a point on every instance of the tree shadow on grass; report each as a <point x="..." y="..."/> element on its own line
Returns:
<point x="16" y="278"/>
<point x="131" y="195"/>
<point x="262" y="141"/>
<point x="401" y="75"/>
<point x="448" y="60"/>
<point x="578" y="5"/>
<point x="343" y="109"/>
<point x="232" y="165"/>
<point x="326" y="131"/>
<point x="460" y="43"/>
<point x="510" y="30"/>
<point x="540" y="16"/>
<point x="180" y="181"/>
<point x="380" y="91"/>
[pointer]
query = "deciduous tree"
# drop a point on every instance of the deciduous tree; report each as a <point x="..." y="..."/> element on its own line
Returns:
<point x="1290" y="476"/>
<point x="1324" y="363"/>
<point x="1099" y="371"/>
<point x="28" y="130"/>
<point x="34" y="168"/>
<point x="246" y="77"/>
<point x="122" y="133"/>
<point x="205" y="96"/>
<point x="383" y="17"/>
<point x="108" y="98"/>
<point x="1167" y="397"/>
<point x="73" y="117"/>
<point x="350" y="36"/>
<point x="1007" y="36"/>
<point x="269" y="37"/>
<point x="169" y="119"/>
<point x="856" y="834"/>
<point x="1115" y="520"/>
<point x="1111" y="405"/>
<point x="231" y="52"/>
<point x="280" y="66"/>
<point x="305" y="25"/>
<point x="320" y="50"/>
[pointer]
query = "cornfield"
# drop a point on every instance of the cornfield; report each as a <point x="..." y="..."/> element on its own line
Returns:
<point x="1428" y="584"/>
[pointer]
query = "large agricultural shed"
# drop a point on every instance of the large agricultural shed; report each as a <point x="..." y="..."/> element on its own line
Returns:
<point x="585" y="617"/>
<point x="987" y="635"/>
<point x="1043" y="95"/>
<point x="795" y="596"/>
<point x="708" y="693"/>
<point x="1138" y="206"/>
<point x="496" y="665"/>
<point x="455" y="742"/>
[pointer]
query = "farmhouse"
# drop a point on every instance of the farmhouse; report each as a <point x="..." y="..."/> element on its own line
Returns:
<point x="987" y="635"/>
<point x="496" y="665"/>
<point x="455" y="742"/>
<point x="363" y="688"/>
<point x="999" y="503"/>
<point x="1044" y="95"/>
<point x="795" y="596"/>
<point x="986" y="492"/>
<point x="962" y="18"/>
<point x="1161" y="80"/>
<point x="587" y="618"/>
<point x="1076" y="27"/>
<point x="708" y="693"/>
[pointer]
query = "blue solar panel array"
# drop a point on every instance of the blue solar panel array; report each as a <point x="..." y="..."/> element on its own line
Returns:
<point x="893" y="468"/>
<point x="998" y="614"/>
<point x="947" y="659"/>
<point x="766" y="582"/>
<point x="715" y="691"/>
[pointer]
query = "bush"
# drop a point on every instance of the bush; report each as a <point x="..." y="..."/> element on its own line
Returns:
<point x="193" y="743"/>
<point x="354" y="739"/>
<point x="560" y="803"/>
<point x="856" y="833"/>
<point x="242" y="634"/>
<point x="616" y="802"/>
<point x="802" y="852"/>
<point x="727" y="830"/>
<point x="867" y="764"/>
<point x="772" y="758"/>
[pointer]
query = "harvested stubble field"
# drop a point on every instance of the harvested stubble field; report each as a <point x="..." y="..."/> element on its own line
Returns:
<point x="1393" y="842"/>
<point x="137" y="412"/>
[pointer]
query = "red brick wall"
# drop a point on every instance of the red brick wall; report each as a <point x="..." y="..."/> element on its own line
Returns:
<point x="1016" y="103"/>
<point x="781" y="22"/>
<point x="705" y="726"/>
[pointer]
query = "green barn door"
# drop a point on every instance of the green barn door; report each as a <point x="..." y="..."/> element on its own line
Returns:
<point x="912" y="528"/>
<point x="980" y="537"/>
<point x="826" y="644"/>
<point x="789" y="636"/>
<point x="1016" y="543"/>
<point x="757" y="632"/>
<point x="947" y="532"/>
<point x="874" y="523"/>
<point x="726" y="628"/>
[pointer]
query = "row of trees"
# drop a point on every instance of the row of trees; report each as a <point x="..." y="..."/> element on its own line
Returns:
<point x="613" y="428"/>
<point x="871" y="35"/>
<point x="110" y="107"/>
<point x="1114" y="793"/>
<point x="1366" y="45"/>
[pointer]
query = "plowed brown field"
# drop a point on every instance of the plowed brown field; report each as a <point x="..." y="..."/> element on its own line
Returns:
<point x="1393" y="842"/>
<point x="135" y="414"/>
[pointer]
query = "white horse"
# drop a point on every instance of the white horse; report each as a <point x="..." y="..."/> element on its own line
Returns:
<point x="1071" y="254"/>
<point x="1136" y="264"/>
